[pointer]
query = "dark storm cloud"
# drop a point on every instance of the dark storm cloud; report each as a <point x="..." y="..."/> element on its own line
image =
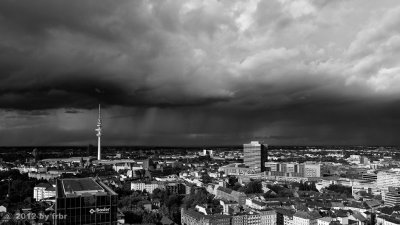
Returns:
<point x="79" y="54"/>
<point x="204" y="71"/>
<point x="39" y="17"/>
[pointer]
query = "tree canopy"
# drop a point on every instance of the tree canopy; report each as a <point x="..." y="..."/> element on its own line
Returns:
<point x="253" y="187"/>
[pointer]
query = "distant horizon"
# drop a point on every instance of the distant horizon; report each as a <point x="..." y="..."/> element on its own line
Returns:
<point x="191" y="146"/>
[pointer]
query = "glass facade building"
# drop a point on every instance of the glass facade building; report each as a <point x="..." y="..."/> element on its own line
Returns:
<point x="85" y="201"/>
<point x="255" y="155"/>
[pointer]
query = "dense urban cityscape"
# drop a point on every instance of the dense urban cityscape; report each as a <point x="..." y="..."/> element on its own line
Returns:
<point x="250" y="184"/>
<point x="199" y="112"/>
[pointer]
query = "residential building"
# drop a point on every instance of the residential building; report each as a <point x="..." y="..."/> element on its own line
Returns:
<point x="284" y="217"/>
<point x="256" y="204"/>
<point x="268" y="217"/>
<point x="387" y="220"/>
<point x="231" y="195"/>
<point x="357" y="218"/>
<point x="324" y="220"/>
<point x="306" y="218"/>
<point x="149" y="187"/>
<point x="227" y="205"/>
<point x="192" y="217"/>
<point x="239" y="219"/>
<point x="253" y="219"/>
<point x="175" y="188"/>
<point x="43" y="191"/>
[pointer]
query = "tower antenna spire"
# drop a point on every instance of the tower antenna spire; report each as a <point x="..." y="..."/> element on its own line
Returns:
<point x="98" y="129"/>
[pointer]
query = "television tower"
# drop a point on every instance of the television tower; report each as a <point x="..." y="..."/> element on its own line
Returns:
<point x="98" y="129"/>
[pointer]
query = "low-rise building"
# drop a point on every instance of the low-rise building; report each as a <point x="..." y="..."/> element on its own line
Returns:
<point x="307" y="169"/>
<point x="306" y="218"/>
<point x="387" y="220"/>
<point x="268" y="217"/>
<point x="236" y="169"/>
<point x="227" y="205"/>
<point x="284" y="217"/>
<point x="149" y="187"/>
<point x="175" y="188"/>
<point x="3" y="208"/>
<point x="43" y="191"/>
<point x="256" y="204"/>
<point x="192" y="217"/>
<point x="324" y="220"/>
<point x="231" y="195"/>
<point x="246" y="218"/>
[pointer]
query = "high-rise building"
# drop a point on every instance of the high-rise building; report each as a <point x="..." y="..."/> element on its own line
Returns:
<point x="35" y="154"/>
<point x="85" y="201"/>
<point x="255" y="155"/>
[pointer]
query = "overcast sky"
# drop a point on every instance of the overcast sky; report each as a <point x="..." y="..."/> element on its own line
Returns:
<point x="200" y="72"/>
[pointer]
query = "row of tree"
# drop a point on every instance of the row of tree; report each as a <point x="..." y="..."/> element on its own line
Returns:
<point x="19" y="185"/>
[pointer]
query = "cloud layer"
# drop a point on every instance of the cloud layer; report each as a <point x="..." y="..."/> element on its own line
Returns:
<point x="201" y="72"/>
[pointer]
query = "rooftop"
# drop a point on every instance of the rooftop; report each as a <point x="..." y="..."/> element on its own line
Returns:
<point x="226" y="190"/>
<point x="313" y="215"/>
<point x="285" y="212"/>
<point x="81" y="185"/>
<point x="326" y="219"/>
<point x="75" y="187"/>
<point x="43" y="185"/>
<point x="199" y="216"/>
<point x="359" y="216"/>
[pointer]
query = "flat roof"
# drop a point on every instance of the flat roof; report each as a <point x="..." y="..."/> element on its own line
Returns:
<point x="74" y="187"/>
<point x="81" y="185"/>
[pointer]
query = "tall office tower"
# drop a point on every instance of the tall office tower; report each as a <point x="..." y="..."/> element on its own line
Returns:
<point x="98" y="129"/>
<point x="35" y="154"/>
<point x="255" y="155"/>
<point x="85" y="201"/>
<point x="386" y="179"/>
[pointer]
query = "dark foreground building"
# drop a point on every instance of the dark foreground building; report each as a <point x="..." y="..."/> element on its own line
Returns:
<point x="85" y="201"/>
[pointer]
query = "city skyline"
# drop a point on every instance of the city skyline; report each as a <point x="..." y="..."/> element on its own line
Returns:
<point x="192" y="73"/>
